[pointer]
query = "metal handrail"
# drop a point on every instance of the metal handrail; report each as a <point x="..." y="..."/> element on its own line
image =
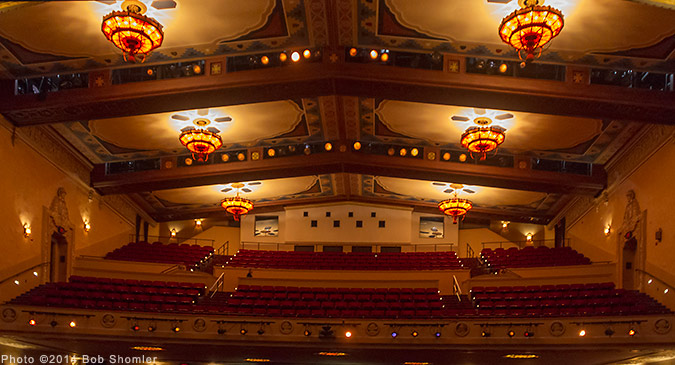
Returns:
<point x="456" y="288"/>
<point x="169" y="239"/>
<point x="221" y="251"/>
<point x="656" y="278"/>
<point x="376" y="248"/>
<point x="218" y="284"/>
<point x="470" y="253"/>
<point x="21" y="272"/>
<point x="520" y="244"/>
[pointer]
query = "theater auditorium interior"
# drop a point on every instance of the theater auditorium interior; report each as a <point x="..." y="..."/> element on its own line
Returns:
<point x="215" y="182"/>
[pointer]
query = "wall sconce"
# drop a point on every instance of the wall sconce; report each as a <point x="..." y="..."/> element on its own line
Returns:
<point x="608" y="230"/>
<point x="173" y="232"/>
<point x="87" y="226"/>
<point x="26" y="230"/>
<point x="528" y="237"/>
<point x="658" y="235"/>
<point x="505" y="225"/>
<point x="198" y="222"/>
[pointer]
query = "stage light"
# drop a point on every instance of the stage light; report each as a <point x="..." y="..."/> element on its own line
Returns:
<point x="414" y="333"/>
<point x="403" y="152"/>
<point x="348" y="334"/>
<point x="414" y="152"/>
<point x="271" y="152"/>
<point x="511" y="333"/>
<point x="307" y="333"/>
<point x="241" y="156"/>
<point x="446" y="156"/>
<point x="307" y="53"/>
<point x="283" y="57"/>
<point x="632" y="332"/>
<point x="357" y="145"/>
<point x="328" y="146"/>
<point x="582" y="333"/>
<point x="72" y="324"/>
<point x="243" y="331"/>
<point x="295" y="56"/>
<point x="384" y="57"/>
<point x="264" y="60"/>
<point x="503" y="67"/>
<point x="353" y="52"/>
<point x="373" y="54"/>
<point x="462" y="157"/>
<point x="394" y="334"/>
<point x="32" y="322"/>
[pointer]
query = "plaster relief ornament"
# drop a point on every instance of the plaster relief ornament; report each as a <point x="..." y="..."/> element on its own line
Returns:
<point x="58" y="211"/>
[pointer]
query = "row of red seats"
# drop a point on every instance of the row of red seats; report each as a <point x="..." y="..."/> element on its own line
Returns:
<point x="174" y="253"/>
<point x="532" y="257"/>
<point x="290" y="289"/>
<point x="346" y="260"/>
<point x="540" y="288"/>
<point x="134" y="282"/>
<point x="566" y="300"/>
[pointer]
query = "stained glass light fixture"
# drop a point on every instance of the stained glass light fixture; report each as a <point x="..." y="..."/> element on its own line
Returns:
<point x="530" y="28"/>
<point x="455" y="207"/>
<point x="201" y="141"/>
<point x="482" y="138"/>
<point x="132" y="32"/>
<point x="236" y="205"/>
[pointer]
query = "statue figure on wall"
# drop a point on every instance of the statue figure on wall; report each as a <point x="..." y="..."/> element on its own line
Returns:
<point x="631" y="217"/>
<point x="58" y="211"/>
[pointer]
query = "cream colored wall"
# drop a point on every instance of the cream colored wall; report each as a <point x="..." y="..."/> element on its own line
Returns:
<point x="27" y="186"/>
<point x="401" y="228"/>
<point x="475" y="237"/>
<point x="653" y="186"/>
<point x="220" y="235"/>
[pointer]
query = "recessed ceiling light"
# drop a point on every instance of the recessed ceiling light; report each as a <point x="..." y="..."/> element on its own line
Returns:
<point x="521" y="356"/>
<point x="147" y="348"/>
<point x="334" y="354"/>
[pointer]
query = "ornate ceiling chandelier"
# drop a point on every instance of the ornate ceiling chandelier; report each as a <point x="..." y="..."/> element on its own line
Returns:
<point x="236" y="205"/>
<point x="530" y="28"/>
<point x="455" y="207"/>
<point x="483" y="138"/>
<point x="201" y="142"/>
<point x="132" y="32"/>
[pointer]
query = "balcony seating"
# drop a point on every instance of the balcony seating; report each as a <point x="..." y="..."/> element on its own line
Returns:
<point x="282" y="301"/>
<point x="346" y="260"/>
<point x="500" y="258"/>
<point x="115" y="294"/>
<point x="564" y="300"/>
<point x="189" y="255"/>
